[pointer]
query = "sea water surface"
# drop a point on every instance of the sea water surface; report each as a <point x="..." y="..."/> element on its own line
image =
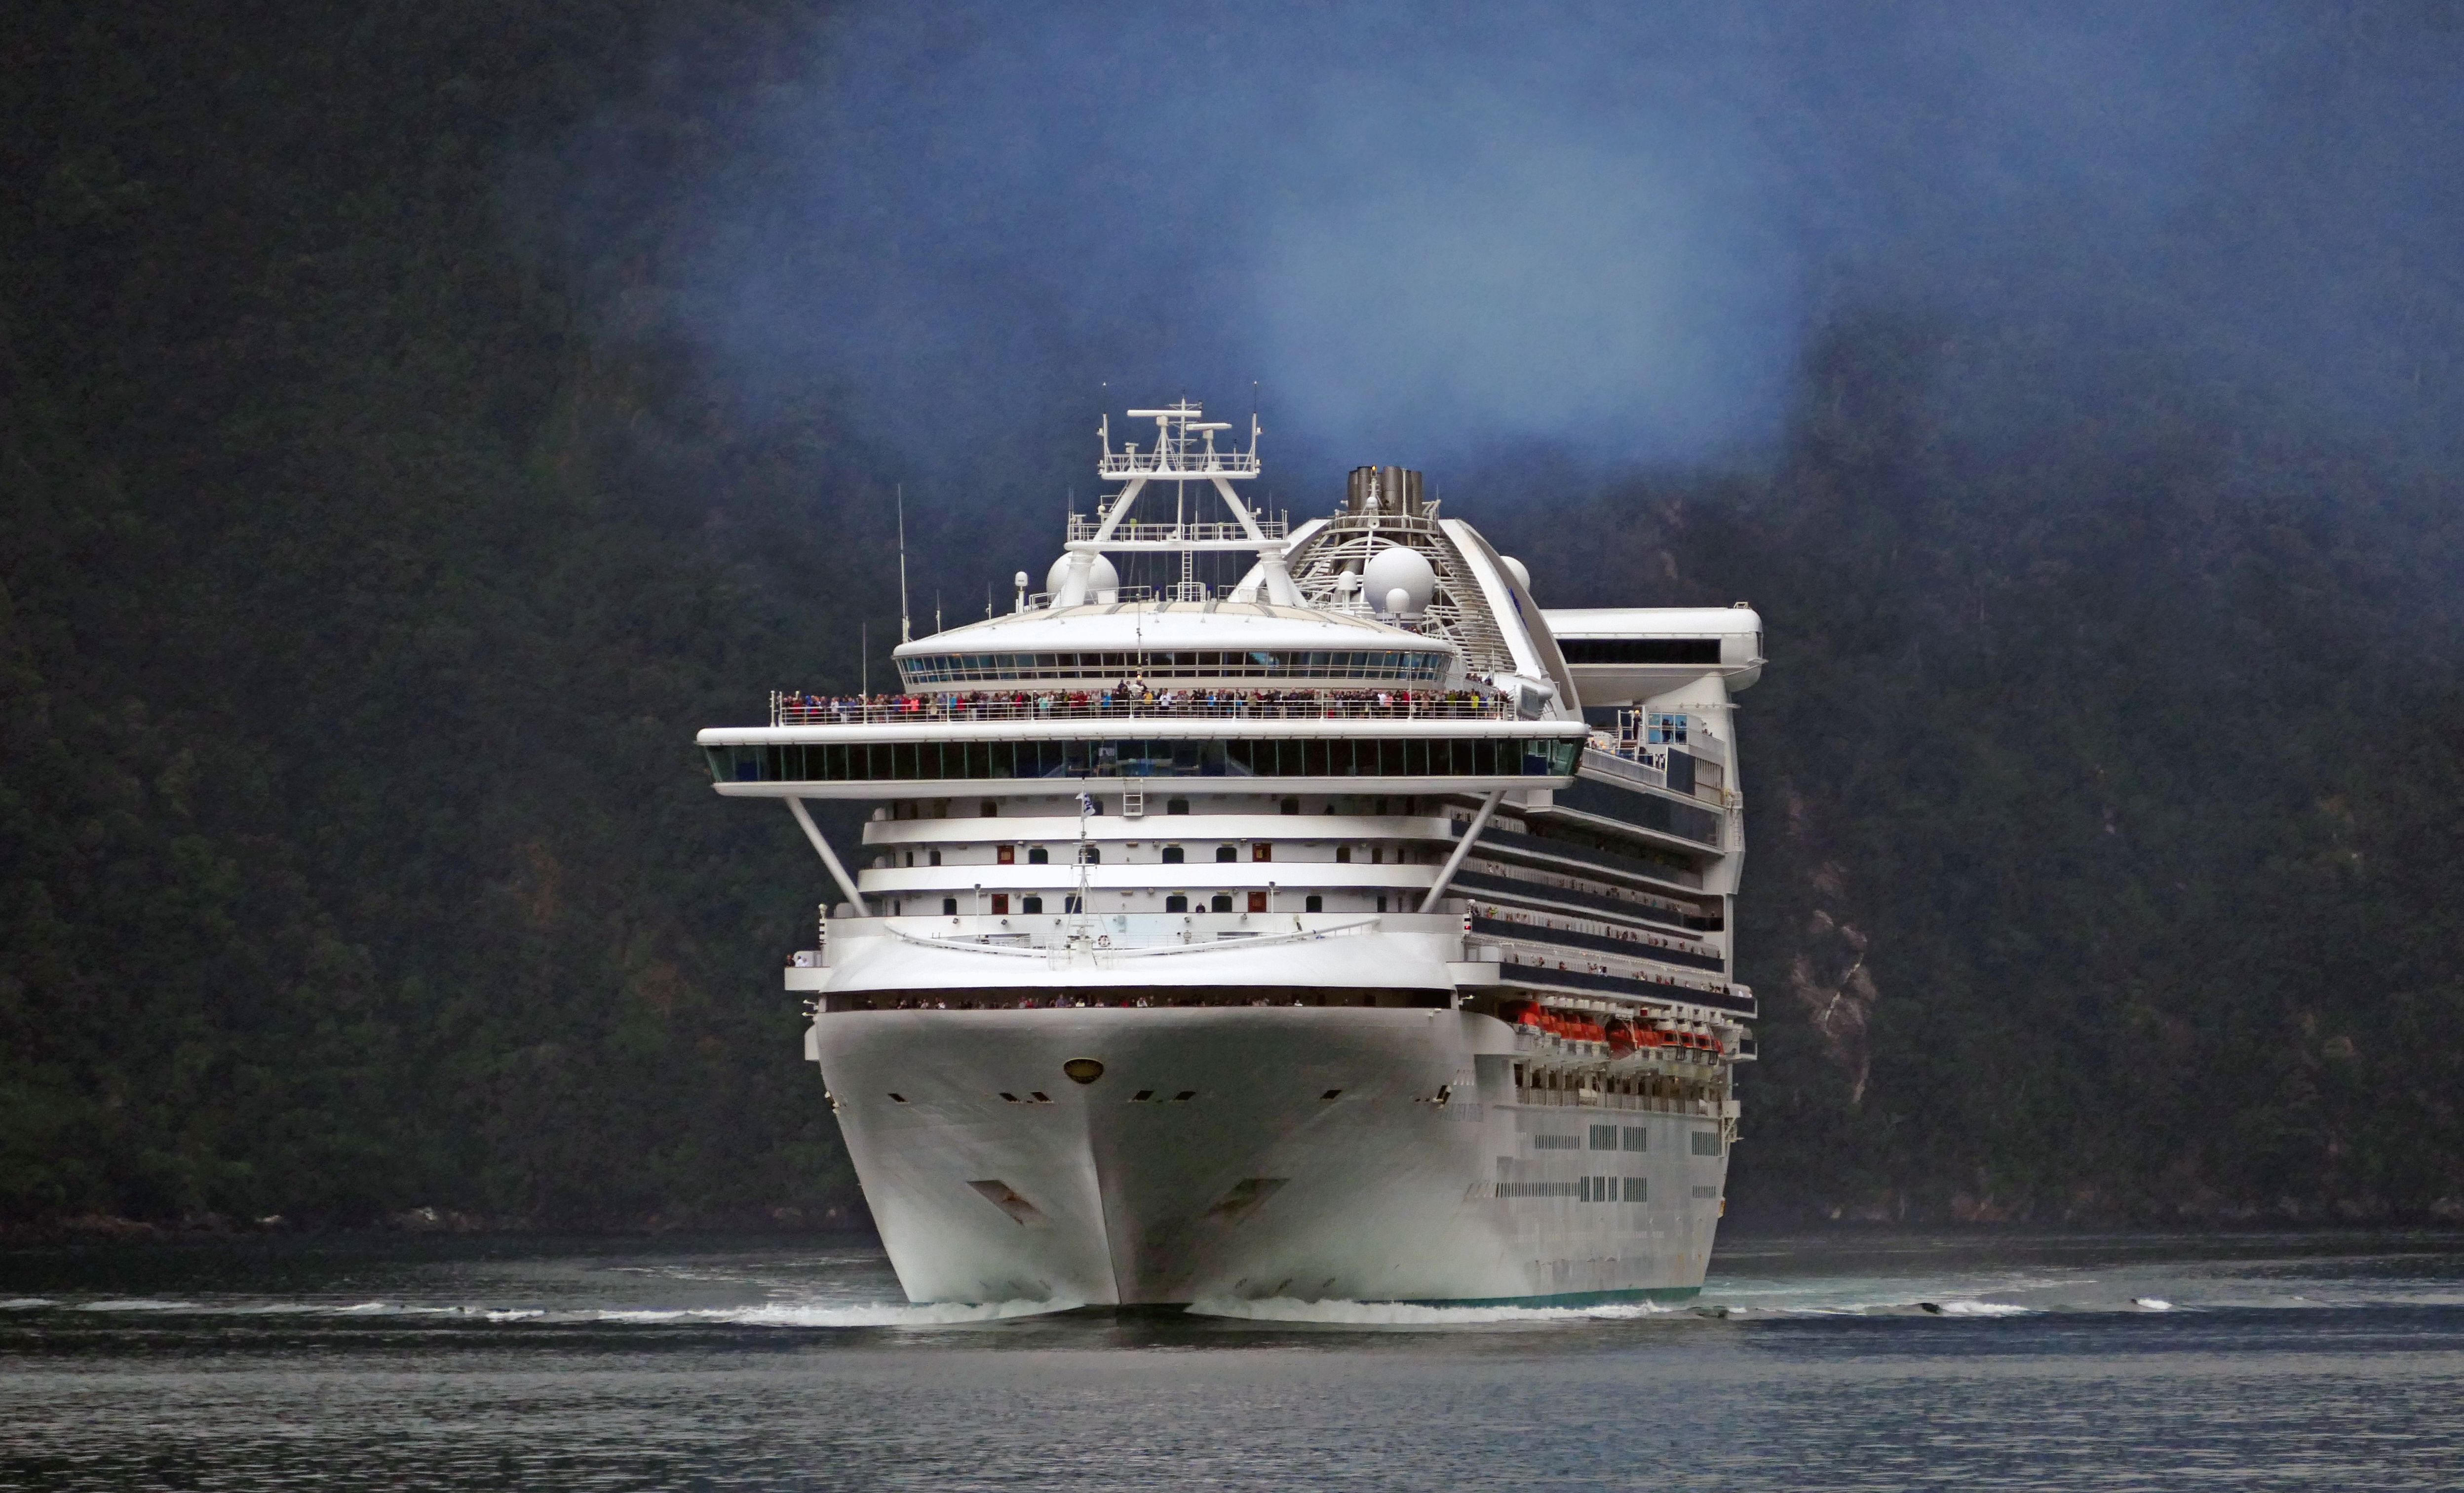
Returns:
<point x="1856" y="1361"/>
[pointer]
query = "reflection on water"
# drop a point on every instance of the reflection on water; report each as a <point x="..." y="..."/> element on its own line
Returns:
<point x="2276" y="1361"/>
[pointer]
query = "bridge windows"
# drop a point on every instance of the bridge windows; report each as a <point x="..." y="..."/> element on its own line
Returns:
<point x="1641" y="651"/>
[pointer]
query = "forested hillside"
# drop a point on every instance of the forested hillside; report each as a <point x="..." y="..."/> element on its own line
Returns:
<point x="2105" y="804"/>
<point x="370" y="555"/>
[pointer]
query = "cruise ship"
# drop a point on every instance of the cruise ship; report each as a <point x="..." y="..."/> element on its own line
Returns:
<point x="1348" y="926"/>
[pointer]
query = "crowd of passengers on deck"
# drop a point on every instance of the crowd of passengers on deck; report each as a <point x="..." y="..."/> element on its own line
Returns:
<point x="1135" y="696"/>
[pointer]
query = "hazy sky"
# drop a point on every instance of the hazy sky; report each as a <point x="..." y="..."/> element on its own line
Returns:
<point x="1432" y="231"/>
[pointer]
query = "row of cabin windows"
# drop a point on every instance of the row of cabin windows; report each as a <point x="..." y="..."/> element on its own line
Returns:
<point x="1311" y="756"/>
<point x="1173" y="855"/>
<point x="1178" y="902"/>
<point x="990" y="808"/>
<point x="1583" y="1189"/>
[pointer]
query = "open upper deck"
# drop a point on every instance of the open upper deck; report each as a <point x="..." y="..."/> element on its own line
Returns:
<point x="1137" y="704"/>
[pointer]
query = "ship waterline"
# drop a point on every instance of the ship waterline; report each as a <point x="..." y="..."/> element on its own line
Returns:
<point x="1358" y="929"/>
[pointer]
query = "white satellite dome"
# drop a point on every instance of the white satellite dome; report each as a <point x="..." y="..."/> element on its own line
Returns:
<point x="1396" y="571"/>
<point x="1521" y="572"/>
<point x="1101" y="578"/>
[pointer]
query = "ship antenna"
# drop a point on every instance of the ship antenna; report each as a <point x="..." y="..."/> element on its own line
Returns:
<point x="1085" y="811"/>
<point x="904" y="636"/>
<point x="864" y="657"/>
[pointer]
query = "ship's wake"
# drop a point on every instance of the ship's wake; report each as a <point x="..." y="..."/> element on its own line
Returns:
<point x="1388" y="1313"/>
<point x="762" y="1314"/>
<point x="1402" y="1314"/>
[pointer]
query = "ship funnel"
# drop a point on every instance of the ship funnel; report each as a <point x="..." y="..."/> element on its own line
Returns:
<point x="1393" y="491"/>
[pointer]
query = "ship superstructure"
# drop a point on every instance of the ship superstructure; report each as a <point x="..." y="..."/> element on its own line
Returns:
<point x="1294" y="933"/>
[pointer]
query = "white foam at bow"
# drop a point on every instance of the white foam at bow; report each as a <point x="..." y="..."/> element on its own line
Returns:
<point x="1397" y="1313"/>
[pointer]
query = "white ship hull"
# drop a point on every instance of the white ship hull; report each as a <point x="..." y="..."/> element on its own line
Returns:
<point x="1421" y="1178"/>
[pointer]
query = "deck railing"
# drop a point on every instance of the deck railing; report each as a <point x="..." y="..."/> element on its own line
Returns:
<point x="1086" y="526"/>
<point x="788" y="708"/>
<point x="1167" y="465"/>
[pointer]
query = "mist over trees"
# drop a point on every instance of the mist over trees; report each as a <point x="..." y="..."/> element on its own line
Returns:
<point x="378" y="531"/>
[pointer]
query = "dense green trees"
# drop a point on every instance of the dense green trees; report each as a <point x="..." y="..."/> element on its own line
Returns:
<point x="366" y="564"/>
<point x="363" y="587"/>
